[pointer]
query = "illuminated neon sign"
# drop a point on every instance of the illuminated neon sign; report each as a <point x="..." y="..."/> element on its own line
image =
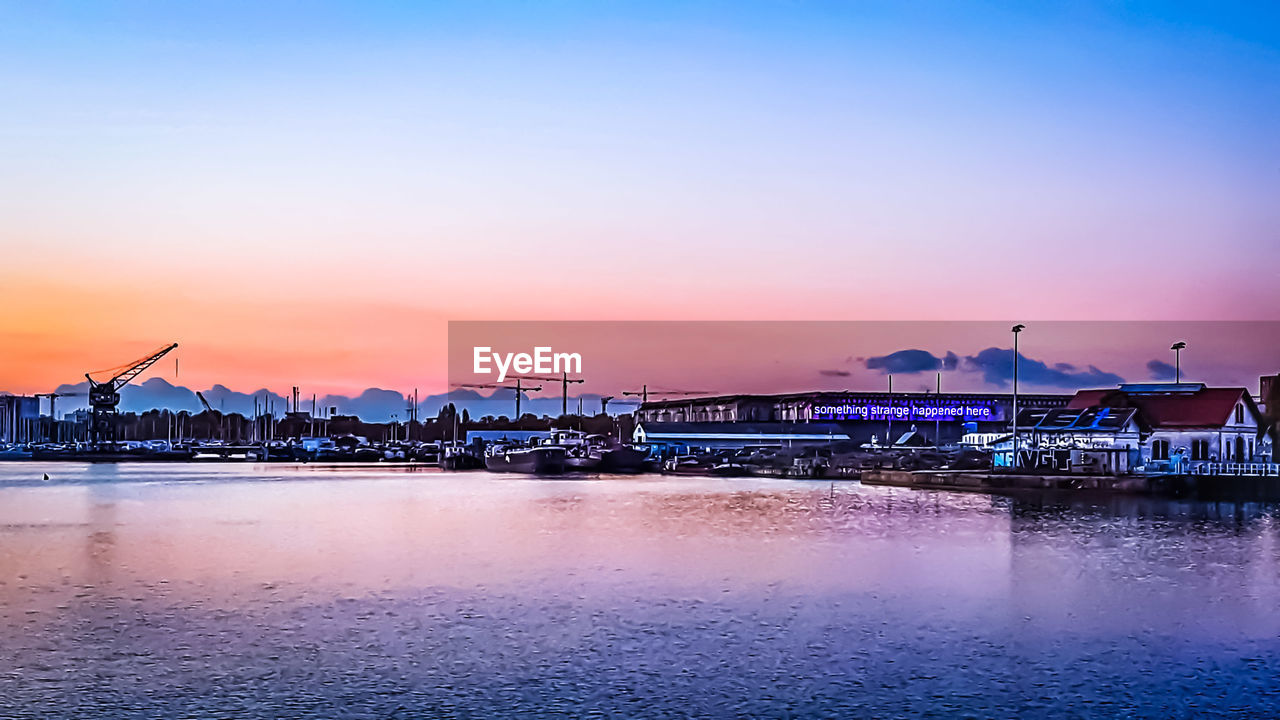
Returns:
<point x="911" y="411"/>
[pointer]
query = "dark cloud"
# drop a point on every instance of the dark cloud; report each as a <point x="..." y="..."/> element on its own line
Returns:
<point x="1161" y="370"/>
<point x="1064" y="367"/>
<point x="996" y="366"/>
<point x="912" y="361"/>
<point x="834" y="373"/>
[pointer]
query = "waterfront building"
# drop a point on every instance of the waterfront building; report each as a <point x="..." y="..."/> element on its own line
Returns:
<point x="1147" y="427"/>
<point x="19" y="418"/>
<point x="685" y="437"/>
<point x="1091" y="440"/>
<point x="863" y="416"/>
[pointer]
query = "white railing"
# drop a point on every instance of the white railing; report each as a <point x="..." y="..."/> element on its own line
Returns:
<point x="1236" y="468"/>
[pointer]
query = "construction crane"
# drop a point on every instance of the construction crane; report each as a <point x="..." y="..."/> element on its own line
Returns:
<point x="564" y="387"/>
<point x="518" y="387"/>
<point x="104" y="396"/>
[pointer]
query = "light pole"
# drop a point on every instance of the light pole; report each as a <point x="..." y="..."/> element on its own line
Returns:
<point x="1177" y="361"/>
<point x="889" y="430"/>
<point x="1013" y="462"/>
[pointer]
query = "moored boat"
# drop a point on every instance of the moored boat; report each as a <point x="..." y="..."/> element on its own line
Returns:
<point x="541" y="459"/>
<point x="596" y="453"/>
<point x="621" y="459"/>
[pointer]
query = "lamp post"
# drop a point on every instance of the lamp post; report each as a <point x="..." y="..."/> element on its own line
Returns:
<point x="1177" y="361"/>
<point x="1013" y="462"/>
<point x="889" y="430"/>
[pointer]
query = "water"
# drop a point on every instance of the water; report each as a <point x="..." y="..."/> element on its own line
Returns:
<point x="300" y="591"/>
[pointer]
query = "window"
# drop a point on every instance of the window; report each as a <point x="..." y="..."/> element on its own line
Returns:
<point x="1160" y="450"/>
<point x="1240" y="414"/>
<point x="1199" y="449"/>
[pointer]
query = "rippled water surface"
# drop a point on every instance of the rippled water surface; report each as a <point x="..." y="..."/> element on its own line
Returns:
<point x="281" y="591"/>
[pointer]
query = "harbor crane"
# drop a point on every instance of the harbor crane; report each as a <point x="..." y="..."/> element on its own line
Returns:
<point x="104" y="396"/>
<point x="204" y="402"/>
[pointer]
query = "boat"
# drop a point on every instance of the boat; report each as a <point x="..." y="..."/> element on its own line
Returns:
<point x="577" y="451"/>
<point x="456" y="456"/>
<point x="723" y="465"/>
<point x="580" y="459"/>
<point x="728" y="468"/>
<point x="539" y="459"/>
<point x="15" y="452"/>
<point x="596" y="453"/>
<point x="685" y="465"/>
<point x="621" y="459"/>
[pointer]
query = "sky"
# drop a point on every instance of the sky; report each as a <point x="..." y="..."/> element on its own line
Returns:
<point x="307" y="193"/>
<point x="678" y="359"/>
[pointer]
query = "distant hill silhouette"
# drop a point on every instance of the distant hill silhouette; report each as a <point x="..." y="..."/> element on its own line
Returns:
<point x="371" y="405"/>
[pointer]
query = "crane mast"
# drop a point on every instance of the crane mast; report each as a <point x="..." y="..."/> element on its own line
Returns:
<point x="104" y="397"/>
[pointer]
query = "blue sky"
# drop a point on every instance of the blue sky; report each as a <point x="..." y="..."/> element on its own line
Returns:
<point x="426" y="162"/>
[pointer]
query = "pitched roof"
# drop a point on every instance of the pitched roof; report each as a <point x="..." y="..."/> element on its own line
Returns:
<point x="1088" y="398"/>
<point x="1201" y="407"/>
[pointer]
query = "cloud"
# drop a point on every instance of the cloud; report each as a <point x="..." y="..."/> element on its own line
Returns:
<point x="1161" y="370"/>
<point x="912" y="361"/>
<point x="834" y="373"/>
<point x="996" y="366"/>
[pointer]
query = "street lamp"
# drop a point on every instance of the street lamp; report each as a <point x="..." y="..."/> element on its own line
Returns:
<point x="1016" y="330"/>
<point x="889" y="430"/>
<point x="1177" y="361"/>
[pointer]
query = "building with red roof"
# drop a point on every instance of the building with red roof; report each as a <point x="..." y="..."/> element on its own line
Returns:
<point x="1153" y="427"/>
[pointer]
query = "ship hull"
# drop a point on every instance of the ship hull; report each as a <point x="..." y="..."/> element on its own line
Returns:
<point x="540" y="461"/>
<point x="622" y="460"/>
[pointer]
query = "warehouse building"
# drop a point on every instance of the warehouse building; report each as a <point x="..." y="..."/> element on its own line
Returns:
<point x="19" y="418"/>
<point x="861" y="416"/>
<point x="686" y="437"/>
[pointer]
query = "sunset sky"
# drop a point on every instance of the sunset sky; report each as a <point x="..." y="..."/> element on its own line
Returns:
<point x="305" y="193"/>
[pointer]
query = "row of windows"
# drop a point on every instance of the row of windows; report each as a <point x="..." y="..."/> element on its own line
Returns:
<point x="1200" y="450"/>
<point x="694" y="416"/>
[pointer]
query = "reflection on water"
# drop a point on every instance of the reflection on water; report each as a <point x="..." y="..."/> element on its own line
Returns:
<point x="191" y="591"/>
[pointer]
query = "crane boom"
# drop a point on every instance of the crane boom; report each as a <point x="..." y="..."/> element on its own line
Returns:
<point x="105" y="396"/>
<point x="128" y="372"/>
